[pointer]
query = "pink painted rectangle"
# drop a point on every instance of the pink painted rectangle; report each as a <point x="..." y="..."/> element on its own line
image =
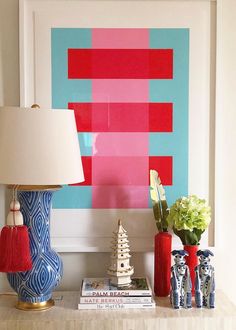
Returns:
<point x="112" y="171"/>
<point x="118" y="197"/>
<point x="120" y="38"/>
<point x="120" y="144"/>
<point x="120" y="90"/>
<point x="120" y="117"/>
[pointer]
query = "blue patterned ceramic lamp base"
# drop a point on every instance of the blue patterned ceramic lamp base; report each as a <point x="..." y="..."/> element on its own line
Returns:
<point x="35" y="286"/>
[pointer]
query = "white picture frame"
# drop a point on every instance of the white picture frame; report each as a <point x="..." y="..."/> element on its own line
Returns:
<point x="92" y="230"/>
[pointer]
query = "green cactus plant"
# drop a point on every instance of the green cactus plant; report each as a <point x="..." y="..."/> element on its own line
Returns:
<point x="159" y="203"/>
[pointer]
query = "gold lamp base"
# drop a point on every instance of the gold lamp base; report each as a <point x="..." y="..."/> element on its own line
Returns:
<point x="39" y="306"/>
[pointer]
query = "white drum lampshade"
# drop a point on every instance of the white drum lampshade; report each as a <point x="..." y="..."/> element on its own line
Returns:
<point x="39" y="147"/>
<point x="39" y="151"/>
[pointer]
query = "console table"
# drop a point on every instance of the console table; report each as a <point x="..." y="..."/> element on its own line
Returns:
<point x="66" y="316"/>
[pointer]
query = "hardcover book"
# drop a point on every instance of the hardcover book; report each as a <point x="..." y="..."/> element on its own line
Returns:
<point x="116" y="300"/>
<point x="116" y="306"/>
<point x="102" y="287"/>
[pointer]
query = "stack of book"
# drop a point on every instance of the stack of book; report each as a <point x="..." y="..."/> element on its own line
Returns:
<point x="99" y="293"/>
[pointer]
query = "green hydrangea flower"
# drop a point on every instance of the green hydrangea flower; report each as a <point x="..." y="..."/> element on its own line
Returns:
<point x="189" y="217"/>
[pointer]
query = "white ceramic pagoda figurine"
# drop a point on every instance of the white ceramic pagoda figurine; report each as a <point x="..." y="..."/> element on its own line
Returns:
<point x="120" y="269"/>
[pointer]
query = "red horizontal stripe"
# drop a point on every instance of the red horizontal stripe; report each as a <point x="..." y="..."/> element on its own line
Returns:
<point x="123" y="117"/>
<point x="162" y="164"/>
<point x="120" y="63"/>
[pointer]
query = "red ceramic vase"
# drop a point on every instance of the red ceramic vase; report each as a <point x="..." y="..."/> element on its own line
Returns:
<point x="192" y="261"/>
<point x="162" y="259"/>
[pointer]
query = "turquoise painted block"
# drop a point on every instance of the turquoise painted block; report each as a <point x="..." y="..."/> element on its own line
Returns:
<point x="66" y="90"/>
<point x="85" y="142"/>
<point x="173" y="90"/>
<point x="73" y="197"/>
<point x="172" y="193"/>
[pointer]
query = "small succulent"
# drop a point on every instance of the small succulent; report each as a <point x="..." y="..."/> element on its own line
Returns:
<point x="189" y="217"/>
<point x="159" y="203"/>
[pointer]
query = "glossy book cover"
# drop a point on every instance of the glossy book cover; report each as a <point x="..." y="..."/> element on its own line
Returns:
<point x="96" y="287"/>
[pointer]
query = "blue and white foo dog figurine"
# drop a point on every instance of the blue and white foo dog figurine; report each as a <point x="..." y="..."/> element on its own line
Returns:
<point x="204" y="281"/>
<point x="181" y="286"/>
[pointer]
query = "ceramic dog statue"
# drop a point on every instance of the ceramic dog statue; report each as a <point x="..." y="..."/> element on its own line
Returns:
<point x="180" y="295"/>
<point x="205" y="281"/>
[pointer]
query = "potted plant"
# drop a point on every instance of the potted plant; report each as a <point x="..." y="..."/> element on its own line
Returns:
<point x="163" y="240"/>
<point x="189" y="217"/>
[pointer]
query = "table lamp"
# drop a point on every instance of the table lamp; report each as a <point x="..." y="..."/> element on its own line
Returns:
<point x="39" y="152"/>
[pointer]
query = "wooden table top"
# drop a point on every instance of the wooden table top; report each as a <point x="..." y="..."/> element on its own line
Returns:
<point x="65" y="316"/>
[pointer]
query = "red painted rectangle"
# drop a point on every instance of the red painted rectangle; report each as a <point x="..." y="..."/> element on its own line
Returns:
<point x="107" y="171"/>
<point x="164" y="166"/>
<point x="79" y="63"/>
<point x="83" y="116"/>
<point x="120" y="63"/>
<point x="160" y="117"/>
<point x="161" y="64"/>
<point x="87" y="167"/>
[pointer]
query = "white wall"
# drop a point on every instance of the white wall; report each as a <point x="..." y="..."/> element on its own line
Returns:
<point x="226" y="149"/>
<point x="9" y="75"/>
<point x="94" y="264"/>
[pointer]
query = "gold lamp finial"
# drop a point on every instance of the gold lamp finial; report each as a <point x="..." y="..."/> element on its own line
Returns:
<point x="35" y="106"/>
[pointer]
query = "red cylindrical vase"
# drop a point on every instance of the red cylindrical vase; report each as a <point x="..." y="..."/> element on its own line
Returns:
<point x="162" y="259"/>
<point x="192" y="261"/>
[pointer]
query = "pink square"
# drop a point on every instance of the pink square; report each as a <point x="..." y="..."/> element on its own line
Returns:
<point x="120" y="90"/>
<point x="132" y="171"/>
<point x="120" y="197"/>
<point x="120" y="144"/>
<point x="120" y="38"/>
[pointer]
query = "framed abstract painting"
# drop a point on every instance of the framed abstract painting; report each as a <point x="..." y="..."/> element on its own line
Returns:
<point x="137" y="75"/>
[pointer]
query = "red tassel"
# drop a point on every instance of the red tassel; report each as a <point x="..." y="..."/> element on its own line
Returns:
<point x="14" y="241"/>
<point x="5" y="249"/>
<point x="15" y="249"/>
<point x="21" y="259"/>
